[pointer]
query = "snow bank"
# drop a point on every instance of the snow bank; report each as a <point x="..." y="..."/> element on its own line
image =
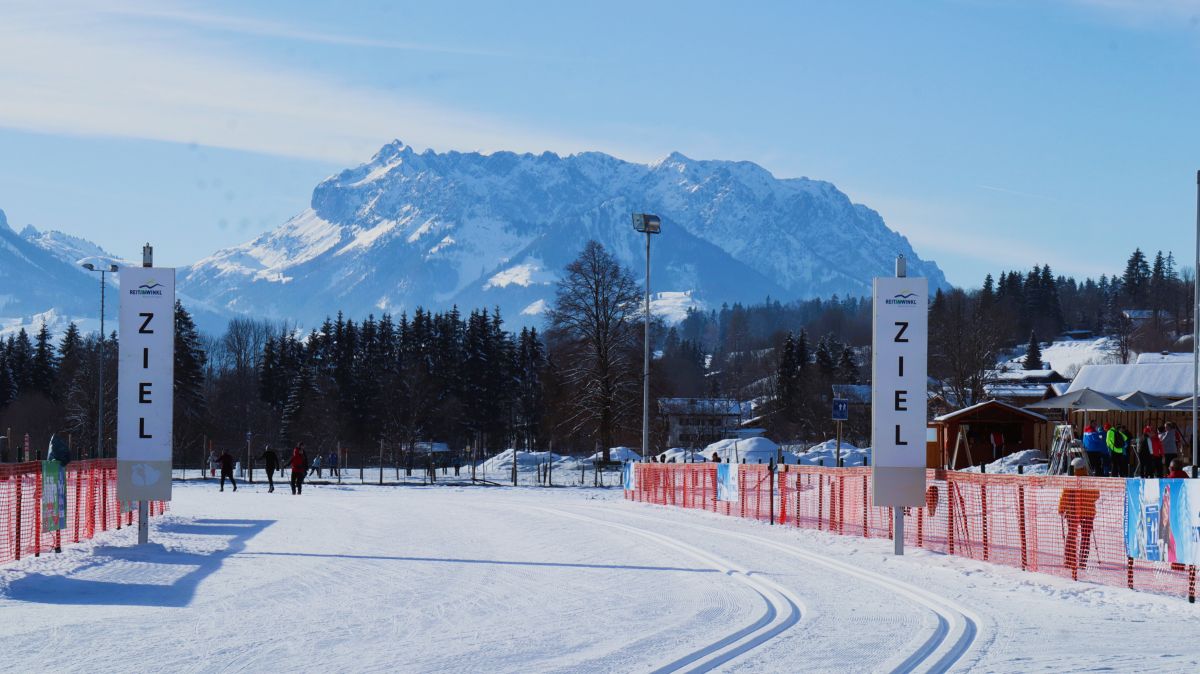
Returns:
<point x="750" y="450"/>
<point x="681" y="455"/>
<point x="617" y="454"/>
<point x="1033" y="462"/>
<point x="526" y="460"/>
<point x="825" y="454"/>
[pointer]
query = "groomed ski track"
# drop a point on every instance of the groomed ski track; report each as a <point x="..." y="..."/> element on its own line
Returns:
<point x="469" y="579"/>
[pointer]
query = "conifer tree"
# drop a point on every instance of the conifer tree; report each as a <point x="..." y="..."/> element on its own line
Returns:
<point x="44" y="366"/>
<point x="1033" y="353"/>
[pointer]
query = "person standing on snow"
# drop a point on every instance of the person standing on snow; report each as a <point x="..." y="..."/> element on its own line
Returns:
<point x="332" y="462"/>
<point x="299" y="465"/>
<point x="1149" y="453"/>
<point x="213" y="462"/>
<point x="1077" y="506"/>
<point x="1172" y="443"/>
<point x="271" y="463"/>
<point x="226" y="461"/>
<point x="1118" y="443"/>
<point x="1097" y="453"/>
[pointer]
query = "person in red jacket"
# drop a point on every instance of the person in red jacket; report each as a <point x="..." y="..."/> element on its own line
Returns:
<point x="299" y="468"/>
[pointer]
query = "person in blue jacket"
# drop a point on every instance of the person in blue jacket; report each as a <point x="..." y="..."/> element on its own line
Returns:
<point x="1097" y="451"/>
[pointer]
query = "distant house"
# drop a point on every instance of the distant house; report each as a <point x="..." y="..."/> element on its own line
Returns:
<point x="1079" y="334"/>
<point x="1022" y="387"/>
<point x="1172" y="380"/>
<point x="859" y="396"/>
<point x="699" y="422"/>
<point x="1139" y="317"/>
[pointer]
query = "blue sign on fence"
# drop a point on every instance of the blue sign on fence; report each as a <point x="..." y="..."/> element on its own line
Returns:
<point x="841" y="409"/>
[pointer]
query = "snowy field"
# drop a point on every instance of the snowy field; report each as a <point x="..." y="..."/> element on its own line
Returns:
<point x="485" y="579"/>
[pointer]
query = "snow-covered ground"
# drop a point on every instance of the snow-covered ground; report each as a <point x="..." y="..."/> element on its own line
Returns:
<point x="472" y="579"/>
<point x="1067" y="356"/>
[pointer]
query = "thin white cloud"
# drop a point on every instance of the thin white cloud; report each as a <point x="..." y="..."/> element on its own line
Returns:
<point x="73" y="70"/>
<point x="258" y="27"/>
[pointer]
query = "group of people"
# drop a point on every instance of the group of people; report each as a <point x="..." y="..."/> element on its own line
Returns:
<point x="299" y="463"/>
<point x="1113" y="451"/>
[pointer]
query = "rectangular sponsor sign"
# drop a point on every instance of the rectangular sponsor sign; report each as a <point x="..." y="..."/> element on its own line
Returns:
<point x="899" y="363"/>
<point x="1162" y="520"/>
<point x="629" y="476"/>
<point x="145" y="385"/>
<point x="727" y="482"/>
<point x="54" y="496"/>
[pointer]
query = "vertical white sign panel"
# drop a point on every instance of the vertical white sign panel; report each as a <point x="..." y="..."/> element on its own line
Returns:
<point x="899" y="365"/>
<point x="146" y="383"/>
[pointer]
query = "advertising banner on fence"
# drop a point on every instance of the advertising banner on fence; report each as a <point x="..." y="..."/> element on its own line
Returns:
<point x="899" y="360"/>
<point x="146" y="383"/>
<point x="1162" y="520"/>
<point x="54" y="496"/>
<point x="629" y="476"/>
<point x="727" y="482"/>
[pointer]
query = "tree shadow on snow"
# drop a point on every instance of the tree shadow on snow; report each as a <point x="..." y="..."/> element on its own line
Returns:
<point x="149" y="575"/>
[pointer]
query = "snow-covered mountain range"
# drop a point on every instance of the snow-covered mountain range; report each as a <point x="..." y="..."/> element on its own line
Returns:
<point x="435" y="229"/>
<point x="410" y="229"/>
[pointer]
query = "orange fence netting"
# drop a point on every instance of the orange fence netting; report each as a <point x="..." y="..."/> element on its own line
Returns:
<point x="1067" y="526"/>
<point x="92" y="507"/>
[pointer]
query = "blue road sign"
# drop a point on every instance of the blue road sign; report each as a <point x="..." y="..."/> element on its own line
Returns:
<point x="841" y="409"/>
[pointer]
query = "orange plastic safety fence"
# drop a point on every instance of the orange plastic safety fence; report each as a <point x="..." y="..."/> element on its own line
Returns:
<point x="1067" y="526"/>
<point x="92" y="507"/>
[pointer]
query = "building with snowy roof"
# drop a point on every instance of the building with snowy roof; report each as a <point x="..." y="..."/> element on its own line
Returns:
<point x="698" y="422"/>
<point x="1172" y="380"/>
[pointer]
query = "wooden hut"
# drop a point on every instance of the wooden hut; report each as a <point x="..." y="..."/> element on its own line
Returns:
<point x="977" y="423"/>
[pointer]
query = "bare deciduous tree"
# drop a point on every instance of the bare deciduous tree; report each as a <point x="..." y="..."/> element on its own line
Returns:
<point x="594" y="331"/>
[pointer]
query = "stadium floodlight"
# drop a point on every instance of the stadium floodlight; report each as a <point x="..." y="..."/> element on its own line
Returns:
<point x="647" y="224"/>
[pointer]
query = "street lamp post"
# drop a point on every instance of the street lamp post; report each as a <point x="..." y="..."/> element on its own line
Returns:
<point x="103" y="268"/>
<point x="647" y="224"/>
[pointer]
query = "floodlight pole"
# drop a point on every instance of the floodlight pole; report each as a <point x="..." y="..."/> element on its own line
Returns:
<point x="1196" y="333"/>
<point x="898" y="512"/>
<point x="646" y="363"/>
<point x="100" y="373"/>
<point x="647" y="224"/>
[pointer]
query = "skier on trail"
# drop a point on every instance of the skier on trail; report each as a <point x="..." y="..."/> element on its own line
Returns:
<point x="226" y="461"/>
<point x="271" y="462"/>
<point x="299" y="465"/>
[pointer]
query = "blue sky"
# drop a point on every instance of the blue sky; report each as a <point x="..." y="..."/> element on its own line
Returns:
<point x="995" y="134"/>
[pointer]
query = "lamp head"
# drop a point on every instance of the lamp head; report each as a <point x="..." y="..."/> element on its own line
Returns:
<point x="89" y="266"/>
<point x="647" y="223"/>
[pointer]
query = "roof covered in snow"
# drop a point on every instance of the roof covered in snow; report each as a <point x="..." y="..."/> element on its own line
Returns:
<point x="1147" y="358"/>
<point x="859" y="394"/>
<point x="1166" y="380"/>
<point x="709" y="406"/>
<point x="995" y="404"/>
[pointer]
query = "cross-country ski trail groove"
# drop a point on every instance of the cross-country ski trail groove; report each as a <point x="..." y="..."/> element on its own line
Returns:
<point x="957" y="628"/>
<point x="782" y="609"/>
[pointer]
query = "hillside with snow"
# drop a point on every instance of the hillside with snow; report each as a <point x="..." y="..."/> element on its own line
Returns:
<point x="437" y="229"/>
